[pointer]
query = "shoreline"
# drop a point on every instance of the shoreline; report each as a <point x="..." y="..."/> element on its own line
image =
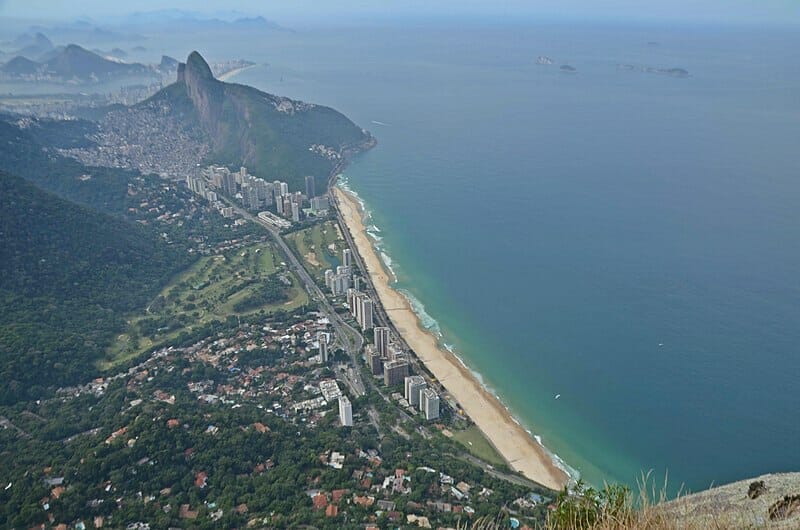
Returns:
<point x="516" y="445"/>
<point x="236" y="71"/>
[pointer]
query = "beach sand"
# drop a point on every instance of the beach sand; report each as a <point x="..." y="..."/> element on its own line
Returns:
<point x="521" y="451"/>
<point x="233" y="73"/>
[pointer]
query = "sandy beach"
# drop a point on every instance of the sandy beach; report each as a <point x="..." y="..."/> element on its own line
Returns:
<point x="521" y="451"/>
<point x="232" y="73"/>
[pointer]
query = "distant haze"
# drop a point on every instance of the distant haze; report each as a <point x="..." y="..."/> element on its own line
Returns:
<point x="299" y="11"/>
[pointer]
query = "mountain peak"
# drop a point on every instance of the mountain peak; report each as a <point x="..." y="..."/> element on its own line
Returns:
<point x="197" y="67"/>
<point x="42" y="40"/>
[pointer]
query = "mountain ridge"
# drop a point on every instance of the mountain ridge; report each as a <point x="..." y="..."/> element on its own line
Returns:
<point x="73" y="62"/>
<point x="274" y="136"/>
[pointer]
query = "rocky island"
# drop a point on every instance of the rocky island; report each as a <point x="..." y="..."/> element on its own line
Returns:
<point x="672" y="72"/>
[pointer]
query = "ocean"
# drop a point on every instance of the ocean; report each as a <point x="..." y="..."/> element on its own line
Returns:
<point x="627" y="240"/>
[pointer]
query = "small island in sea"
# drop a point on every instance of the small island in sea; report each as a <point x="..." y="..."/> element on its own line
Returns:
<point x="672" y="72"/>
<point x="568" y="68"/>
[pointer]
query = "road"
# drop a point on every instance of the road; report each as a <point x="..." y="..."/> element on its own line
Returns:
<point x="379" y="311"/>
<point x="488" y="468"/>
<point x="349" y="338"/>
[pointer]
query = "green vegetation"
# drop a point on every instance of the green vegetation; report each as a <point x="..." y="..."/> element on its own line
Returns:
<point x="585" y="507"/>
<point x="211" y="417"/>
<point x="70" y="273"/>
<point x="25" y="152"/>
<point x="66" y="278"/>
<point x="150" y="442"/>
<point x="320" y="247"/>
<point x="238" y="282"/>
<point x="476" y="443"/>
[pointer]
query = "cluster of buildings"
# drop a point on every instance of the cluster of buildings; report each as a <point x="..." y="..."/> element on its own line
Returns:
<point x="385" y="359"/>
<point x="256" y="194"/>
<point x="419" y="395"/>
<point x="340" y="281"/>
<point x="381" y="356"/>
<point x="384" y="491"/>
<point x="198" y="186"/>
<point x="148" y="139"/>
<point x="362" y="308"/>
<point x="343" y="282"/>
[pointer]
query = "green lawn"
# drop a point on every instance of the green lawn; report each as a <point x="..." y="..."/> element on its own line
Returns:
<point x="206" y="291"/>
<point x="319" y="246"/>
<point x="476" y="443"/>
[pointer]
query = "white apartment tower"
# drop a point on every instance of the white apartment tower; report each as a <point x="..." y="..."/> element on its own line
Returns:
<point x="347" y="257"/>
<point x="346" y="412"/>
<point x="415" y="384"/>
<point x="364" y="311"/>
<point x="323" y="347"/>
<point x="429" y="404"/>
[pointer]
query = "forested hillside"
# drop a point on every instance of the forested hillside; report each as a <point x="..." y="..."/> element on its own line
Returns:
<point x="28" y="149"/>
<point x="67" y="275"/>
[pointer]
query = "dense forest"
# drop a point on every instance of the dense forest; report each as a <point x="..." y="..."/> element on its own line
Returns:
<point x="67" y="276"/>
<point x="82" y="247"/>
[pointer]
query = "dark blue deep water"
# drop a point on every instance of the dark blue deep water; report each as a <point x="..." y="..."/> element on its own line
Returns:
<point x="628" y="240"/>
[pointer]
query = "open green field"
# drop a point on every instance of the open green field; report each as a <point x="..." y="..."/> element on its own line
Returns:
<point x="476" y="443"/>
<point x="239" y="282"/>
<point x="319" y="246"/>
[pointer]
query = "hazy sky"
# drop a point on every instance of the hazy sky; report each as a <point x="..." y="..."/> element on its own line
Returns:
<point x="288" y="11"/>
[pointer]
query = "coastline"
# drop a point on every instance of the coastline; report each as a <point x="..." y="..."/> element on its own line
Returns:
<point x="512" y="441"/>
<point x="232" y="73"/>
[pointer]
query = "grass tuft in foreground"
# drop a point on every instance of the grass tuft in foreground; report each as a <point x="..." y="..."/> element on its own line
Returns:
<point x="614" y="507"/>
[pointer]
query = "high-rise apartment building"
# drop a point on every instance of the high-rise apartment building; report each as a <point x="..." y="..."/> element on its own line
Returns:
<point x="395" y="372"/>
<point x="414" y="385"/>
<point x="429" y="404"/>
<point x="345" y="412"/>
<point x="381" y="336"/>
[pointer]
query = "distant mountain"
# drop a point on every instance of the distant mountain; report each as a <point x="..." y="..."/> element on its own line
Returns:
<point x="183" y="20"/>
<point x="20" y="66"/>
<point x="168" y="64"/>
<point x="86" y="32"/>
<point x="29" y="39"/>
<point x="36" y="47"/>
<point x="75" y="62"/>
<point x="255" y="23"/>
<point x="275" y="137"/>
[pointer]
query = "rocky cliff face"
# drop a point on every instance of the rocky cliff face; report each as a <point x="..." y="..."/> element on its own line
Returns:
<point x="769" y="501"/>
<point x="275" y="137"/>
<point x="207" y="94"/>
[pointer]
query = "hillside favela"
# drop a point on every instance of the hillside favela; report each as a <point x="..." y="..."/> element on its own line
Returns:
<point x="350" y="265"/>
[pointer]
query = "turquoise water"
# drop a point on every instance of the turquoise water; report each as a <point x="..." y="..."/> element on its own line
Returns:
<point x="626" y="240"/>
